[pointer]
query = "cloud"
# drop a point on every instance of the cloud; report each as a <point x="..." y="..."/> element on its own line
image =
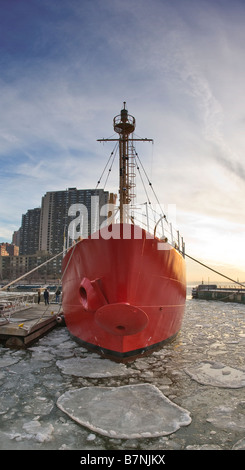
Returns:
<point x="66" y="69"/>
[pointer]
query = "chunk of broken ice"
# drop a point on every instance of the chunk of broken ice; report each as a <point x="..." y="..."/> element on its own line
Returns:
<point x="216" y="374"/>
<point x="240" y="445"/>
<point x="94" y="367"/>
<point x="230" y="416"/>
<point x="7" y="361"/>
<point x="37" y="431"/>
<point x="127" y="412"/>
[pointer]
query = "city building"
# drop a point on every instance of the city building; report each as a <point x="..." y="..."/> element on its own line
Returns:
<point x="3" y="251"/>
<point x="7" y="249"/>
<point x="16" y="238"/>
<point x="29" y="232"/>
<point x="13" y="267"/>
<point x="66" y="215"/>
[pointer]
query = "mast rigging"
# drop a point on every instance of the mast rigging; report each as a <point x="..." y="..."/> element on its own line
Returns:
<point x="124" y="124"/>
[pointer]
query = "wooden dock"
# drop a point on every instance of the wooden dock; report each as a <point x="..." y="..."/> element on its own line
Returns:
<point x="212" y="292"/>
<point x="26" y="326"/>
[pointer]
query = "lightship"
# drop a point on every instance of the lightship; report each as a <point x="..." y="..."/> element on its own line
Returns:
<point x="124" y="286"/>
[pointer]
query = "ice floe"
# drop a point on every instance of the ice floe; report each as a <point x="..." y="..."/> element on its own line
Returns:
<point x="230" y="417"/>
<point x="240" y="445"/>
<point x="33" y="430"/>
<point x="216" y="374"/>
<point x="93" y="367"/>
<point x="8" y="361"/>
<point x="127" y="412"/>
<point x="203" y="447"/>
<point x="39" y="405"/>
<point x="40" y="432"/>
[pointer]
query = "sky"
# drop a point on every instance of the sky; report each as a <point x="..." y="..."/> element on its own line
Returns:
<point x="67" y="66"/>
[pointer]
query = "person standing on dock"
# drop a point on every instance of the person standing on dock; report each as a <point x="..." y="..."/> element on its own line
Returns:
<point x="57" y="294"/>
<point x="38" y="296"/>
<point x="46" y="297"/>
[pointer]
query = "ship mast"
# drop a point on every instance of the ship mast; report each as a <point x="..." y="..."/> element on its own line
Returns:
<point x="124" y="125"/>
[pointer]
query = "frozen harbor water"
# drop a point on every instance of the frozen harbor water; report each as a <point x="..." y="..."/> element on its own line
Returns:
<point x="201" y="374"/>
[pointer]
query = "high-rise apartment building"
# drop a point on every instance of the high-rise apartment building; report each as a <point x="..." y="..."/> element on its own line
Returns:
<point x="63" y="216"/>
<point x="29" y="232"/>
<point x="16" y="238"/>
<point x="60" y="208"/>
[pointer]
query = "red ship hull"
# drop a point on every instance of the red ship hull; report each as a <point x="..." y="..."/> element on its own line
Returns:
<point x="123" y="292"/>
